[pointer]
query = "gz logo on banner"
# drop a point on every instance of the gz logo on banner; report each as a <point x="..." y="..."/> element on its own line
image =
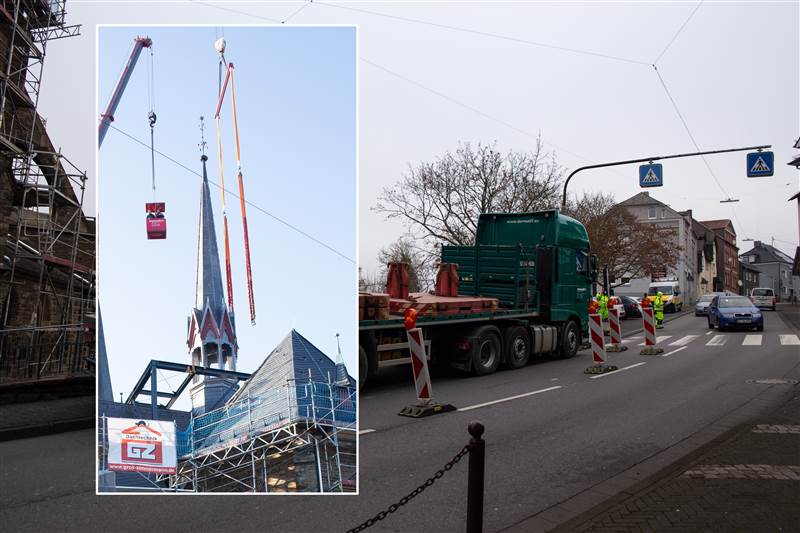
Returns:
<point x="141" y="445"/>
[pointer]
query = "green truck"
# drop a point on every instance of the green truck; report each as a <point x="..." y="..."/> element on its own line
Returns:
<point x="539" y="267"/>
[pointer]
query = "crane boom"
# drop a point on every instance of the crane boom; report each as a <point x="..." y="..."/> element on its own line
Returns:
<point x="139" y="43"/>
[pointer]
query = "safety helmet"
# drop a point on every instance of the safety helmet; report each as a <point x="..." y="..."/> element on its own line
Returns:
<point x="660" y="294"/>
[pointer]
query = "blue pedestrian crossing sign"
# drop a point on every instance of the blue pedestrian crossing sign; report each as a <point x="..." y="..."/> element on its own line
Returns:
<point x="651" y="175"/>
<point x="760" y="164"/>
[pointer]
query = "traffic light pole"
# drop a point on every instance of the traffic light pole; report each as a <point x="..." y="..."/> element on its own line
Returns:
<point x="650" y="160"/>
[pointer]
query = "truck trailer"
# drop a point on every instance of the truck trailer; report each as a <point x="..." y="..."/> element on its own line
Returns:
<point x="523" y="290"/>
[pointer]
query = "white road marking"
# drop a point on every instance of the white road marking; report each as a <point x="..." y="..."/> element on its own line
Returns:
<point x="674" y="351"/>
<point x="684" y="340"/>
<point x="776" y="428"/>
<point x="518" y="396"/>
<point x="717" y="340"/>
<point x="598" y="376"/>
<point x="752" y="340"/>
<point x="709" y="333"/>
<point x="659" y="339"/>
<point x="364" y="431"/>
<point x="789" y="340"/>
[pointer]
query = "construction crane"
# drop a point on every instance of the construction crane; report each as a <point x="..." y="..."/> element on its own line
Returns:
<point x="139" y="43"/>
<point x="156" y="223"/>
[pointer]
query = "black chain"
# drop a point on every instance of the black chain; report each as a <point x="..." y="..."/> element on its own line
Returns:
<point x="413" y="494"/>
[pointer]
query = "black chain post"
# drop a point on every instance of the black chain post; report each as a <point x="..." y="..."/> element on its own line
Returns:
<point x="477" y="456"/>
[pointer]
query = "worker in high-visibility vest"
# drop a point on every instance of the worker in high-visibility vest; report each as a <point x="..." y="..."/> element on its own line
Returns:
<point x="645" y="301"/>
<point x="658" y="307"/>
<point x="602" y="299"/>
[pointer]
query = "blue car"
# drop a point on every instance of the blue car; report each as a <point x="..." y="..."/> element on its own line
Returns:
<point x="734" y="312"/>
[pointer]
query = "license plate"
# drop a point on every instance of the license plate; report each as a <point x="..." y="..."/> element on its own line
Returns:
<point x="744" y="321"/>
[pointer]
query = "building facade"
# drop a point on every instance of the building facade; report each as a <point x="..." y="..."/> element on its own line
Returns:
<point x="749" y="276"/>
<point x="775" y="267"/>
<point x="647" y="209"/>
<point x="706" y="257"/>
<point x="727" y="255"/>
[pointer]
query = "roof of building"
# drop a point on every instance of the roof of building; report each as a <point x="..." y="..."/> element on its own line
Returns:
<point x="295" y="359"/>
<point x="209" y="287"/>
<point x="719" y="224"/>
<point x="796" y="196"/>
<point x="766" y="253"/>
<point x="642" y="198"/>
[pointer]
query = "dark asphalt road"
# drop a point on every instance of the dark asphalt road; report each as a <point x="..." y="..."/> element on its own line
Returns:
<point x="542" y="448"/>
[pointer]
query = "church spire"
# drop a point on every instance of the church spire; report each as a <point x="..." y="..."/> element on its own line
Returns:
<point x="209" y="288"/>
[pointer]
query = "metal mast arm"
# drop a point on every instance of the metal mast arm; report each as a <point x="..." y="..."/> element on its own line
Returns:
<point x="108" y="117"/>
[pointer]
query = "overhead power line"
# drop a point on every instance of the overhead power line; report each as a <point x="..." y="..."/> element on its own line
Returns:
<point x="248" y="202"/>
<point x="231" y="10"/>
<point x="485" y="34"/>
<point x="685" y="22"/>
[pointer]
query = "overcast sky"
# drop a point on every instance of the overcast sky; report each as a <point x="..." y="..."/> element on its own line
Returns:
<point x="732" y="71"/>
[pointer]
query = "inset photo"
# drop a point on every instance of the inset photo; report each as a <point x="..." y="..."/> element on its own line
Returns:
<point x="227" y="178"/>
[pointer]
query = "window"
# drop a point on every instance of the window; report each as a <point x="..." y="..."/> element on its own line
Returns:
<point x="651" y="212"/>
<point x="580" y="262"/>
<point x="663" y="213"/>
<point x="751" y="259"/>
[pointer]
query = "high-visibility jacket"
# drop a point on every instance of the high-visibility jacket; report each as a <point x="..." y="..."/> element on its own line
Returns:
<point x="658" y="304"/>
<point x="602" y="299"/>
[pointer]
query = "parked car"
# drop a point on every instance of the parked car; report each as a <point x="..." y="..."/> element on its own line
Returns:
<point x="701" y="307"/>
<point x="734" y="312"/>
<point x="763" y="297"/>
<point x="633" y="308"/>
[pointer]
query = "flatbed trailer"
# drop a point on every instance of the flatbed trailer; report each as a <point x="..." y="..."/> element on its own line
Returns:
<point x="538" y="269"/>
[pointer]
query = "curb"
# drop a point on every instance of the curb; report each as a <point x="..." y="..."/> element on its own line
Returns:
<point x="594" y="500"/>
<point x="58" y="426"/>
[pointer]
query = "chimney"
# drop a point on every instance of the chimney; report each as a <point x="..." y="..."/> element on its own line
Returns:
<point x="757" y="244"/>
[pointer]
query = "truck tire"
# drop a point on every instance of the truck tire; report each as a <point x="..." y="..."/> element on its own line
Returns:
<point x="367" y="344"/>
<point x="486" y="350"/>
<point x="363" y="366"/>
<point x="570" y="340"/>
<point x="516" y="347"/>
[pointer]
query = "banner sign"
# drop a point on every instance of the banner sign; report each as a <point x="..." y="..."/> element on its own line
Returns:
<point x="141" y="445"/>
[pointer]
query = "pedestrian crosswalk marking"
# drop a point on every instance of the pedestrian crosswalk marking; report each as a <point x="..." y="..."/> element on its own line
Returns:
<point x="717" y="340"/>
<point x="659" y="339"/>
<point x="759" y="166"/>
<point x="684" y="341"/>
<point x="651" y="177"/>
<point x="789" y="340"/>
<point x="752" y="340"/>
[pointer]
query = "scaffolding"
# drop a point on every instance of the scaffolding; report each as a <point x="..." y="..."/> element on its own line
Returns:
<point x="299" y="437"/>
<point x="47" y="257"/>
<point x="295" y="438"/>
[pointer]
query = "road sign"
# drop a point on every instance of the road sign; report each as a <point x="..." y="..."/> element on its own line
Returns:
<point x="760" y="164"/>
<point x="651" y="175"/>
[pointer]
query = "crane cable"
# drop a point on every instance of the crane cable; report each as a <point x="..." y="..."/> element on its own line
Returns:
<point x="221" y="92"/>
<point x="151" y="117"/>
<point x="250" y="296"/>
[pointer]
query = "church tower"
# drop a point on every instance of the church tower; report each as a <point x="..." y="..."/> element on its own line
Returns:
<point x="211" y="328"/>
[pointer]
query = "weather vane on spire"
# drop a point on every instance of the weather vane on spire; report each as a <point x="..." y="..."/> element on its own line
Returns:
<point x="203" y="142"/>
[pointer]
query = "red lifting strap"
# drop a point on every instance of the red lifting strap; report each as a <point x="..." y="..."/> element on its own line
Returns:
<point x="397" y="281"/>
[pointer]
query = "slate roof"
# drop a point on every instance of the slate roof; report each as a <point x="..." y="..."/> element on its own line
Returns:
<point x="279" y="391"/>
<point x="642" y="198"/>
<point x="767" y="253"/>
<point x="718" y="224"/>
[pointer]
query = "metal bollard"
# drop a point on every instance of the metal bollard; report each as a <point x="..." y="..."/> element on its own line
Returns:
<point x="477" y="454"/>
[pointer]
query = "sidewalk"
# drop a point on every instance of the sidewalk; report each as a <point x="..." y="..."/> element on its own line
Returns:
<point x="31" y="419"/>
<point x="746" y="478"/>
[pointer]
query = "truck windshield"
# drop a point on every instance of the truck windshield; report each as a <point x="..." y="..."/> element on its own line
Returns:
<point x="666" y="289"/>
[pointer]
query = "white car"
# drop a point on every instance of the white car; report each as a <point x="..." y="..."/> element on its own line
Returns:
<point x="763" y="297"/>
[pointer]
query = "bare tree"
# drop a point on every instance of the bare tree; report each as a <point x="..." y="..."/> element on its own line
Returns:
<point x="440" y="201"/>
<point x="403" y="250"/>
<point x="629" y="248"/>
<point x="371" y="282"/>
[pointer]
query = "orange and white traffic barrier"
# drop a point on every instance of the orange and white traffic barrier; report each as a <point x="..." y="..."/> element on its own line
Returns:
<point x="616" y="332"/>
<point x="422" y="378"/>
<point x="597" y="339"/>
<point x="597" y="342"/>
<point x="650" y="340"/>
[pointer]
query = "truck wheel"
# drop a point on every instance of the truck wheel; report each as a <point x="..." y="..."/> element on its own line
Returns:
<point x="486" y="352"/>
<point x="516" y="347"/>
<point x="570" y="340"/>
<point x="363" y="365"/>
